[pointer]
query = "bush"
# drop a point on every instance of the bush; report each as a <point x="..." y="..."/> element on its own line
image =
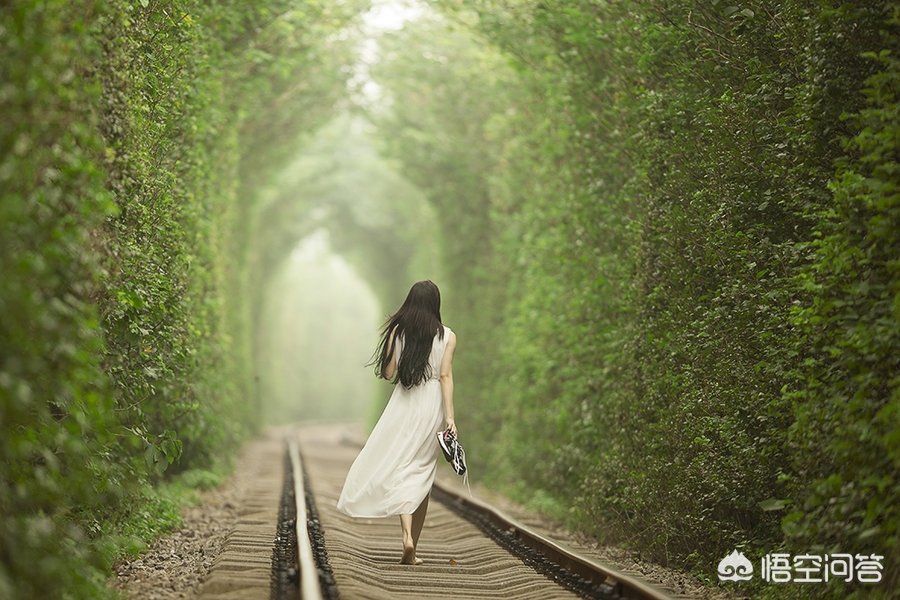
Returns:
<point x="123" y="342"/>
<point x="692" y="329"/>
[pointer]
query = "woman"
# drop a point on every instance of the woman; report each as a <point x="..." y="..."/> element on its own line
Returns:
<point x="394" y="471"/>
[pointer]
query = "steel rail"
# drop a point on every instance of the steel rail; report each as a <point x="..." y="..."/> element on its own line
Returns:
<point x="310" y="588"/>
<point x="623" y="585"/>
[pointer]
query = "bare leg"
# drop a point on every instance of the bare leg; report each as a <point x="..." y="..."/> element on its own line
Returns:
<point x="409" y="547"/>
<point x="412" y="528"/>
<point x="418" y="521"/>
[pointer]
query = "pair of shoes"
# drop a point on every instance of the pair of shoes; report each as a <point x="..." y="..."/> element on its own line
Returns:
<point x="453" y="451"/>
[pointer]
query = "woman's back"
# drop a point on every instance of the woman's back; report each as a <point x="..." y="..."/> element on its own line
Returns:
<point x="438" y="346"/>
<point x="395" y="469"/>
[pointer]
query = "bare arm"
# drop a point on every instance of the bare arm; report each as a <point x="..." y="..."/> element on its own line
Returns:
<point x="447" y="382"/>
<point x="391" y="367"/>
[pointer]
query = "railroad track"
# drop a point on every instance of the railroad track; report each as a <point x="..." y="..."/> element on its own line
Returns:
<point x="471" y="550"/>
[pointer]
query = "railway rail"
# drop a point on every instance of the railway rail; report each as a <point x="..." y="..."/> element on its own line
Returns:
<point x="471" y="550"/>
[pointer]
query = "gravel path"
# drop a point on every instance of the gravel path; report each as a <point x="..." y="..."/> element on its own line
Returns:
<point x="175" y="565"/>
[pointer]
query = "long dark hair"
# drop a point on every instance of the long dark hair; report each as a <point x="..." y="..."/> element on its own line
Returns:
<point x="417" y="321"/>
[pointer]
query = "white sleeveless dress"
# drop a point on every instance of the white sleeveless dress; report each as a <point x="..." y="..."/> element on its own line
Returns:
<point x="395" y="469"/>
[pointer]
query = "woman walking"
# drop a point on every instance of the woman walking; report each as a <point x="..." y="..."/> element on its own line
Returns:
<point x="395" y="469"/>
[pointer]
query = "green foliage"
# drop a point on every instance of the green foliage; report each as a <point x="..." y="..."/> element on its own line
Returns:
<point x="669" y="230"/>
<point x="55" y="405"/>
<point x="200" y="479"/>
<point x="128" y="130"/>
<point x="691" y="324"/>
<point x="449" y="93"/>
<point x="847" y="406"/>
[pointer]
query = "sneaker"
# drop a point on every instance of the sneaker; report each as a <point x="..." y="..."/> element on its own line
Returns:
<point x="453" y="451"/>
<point x="446" y="439"/>
<point x="458" y="462"/>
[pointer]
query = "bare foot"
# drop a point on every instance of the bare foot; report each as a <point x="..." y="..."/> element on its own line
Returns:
<point x="409" y="556"/>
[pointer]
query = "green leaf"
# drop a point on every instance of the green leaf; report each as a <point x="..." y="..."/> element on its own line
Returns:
<point x="774" y="504"/>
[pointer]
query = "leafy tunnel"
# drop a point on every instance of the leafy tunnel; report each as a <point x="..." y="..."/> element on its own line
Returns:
<point x="665" y="232"/>
<point x="363" y="231"/>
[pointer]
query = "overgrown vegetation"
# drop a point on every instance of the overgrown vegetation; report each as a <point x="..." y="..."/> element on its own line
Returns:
<point x="680" y="294"/>
<point x="671" y="256"/>
<point x="134" y="136"/>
